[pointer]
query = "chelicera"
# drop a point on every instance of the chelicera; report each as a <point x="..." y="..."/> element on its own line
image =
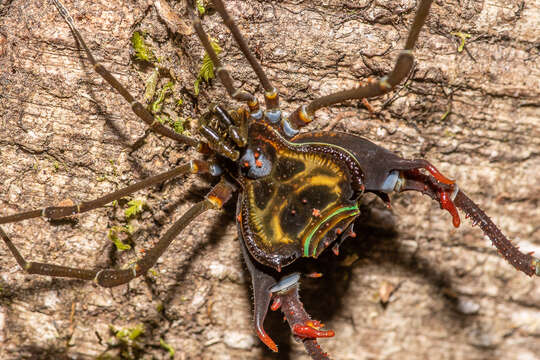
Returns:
<point x="298" y="193"/>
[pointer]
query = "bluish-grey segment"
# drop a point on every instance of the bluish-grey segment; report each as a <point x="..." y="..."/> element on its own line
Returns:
<point x="215" y="170"/>
<point x="255" y="171"/>
<point x="273" y="116"/>
<point x="288" y="129"/>
<point x="286" y="283"/>
<point x="257" y="114"/>
<point x="390" y="182"/>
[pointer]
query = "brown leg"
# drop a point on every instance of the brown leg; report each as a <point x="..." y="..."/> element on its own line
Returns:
<point x="304" y="114"/>
<point x="271" y="95"/>
<point x="58" y="212"/>
<point x="215" y="134"/>
<point x="220" y="194"/>
<point x="222" y="72"/>
<point x="136" y="106"/>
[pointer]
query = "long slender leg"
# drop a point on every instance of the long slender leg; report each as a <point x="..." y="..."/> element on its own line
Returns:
<point x="136" y="106"/>
<point x="222" y="72"/>
<point x="304" y="114"/>
<point x="271" y="95"/>
<point x="57" y="212"/>
<point x="219" y="195"/>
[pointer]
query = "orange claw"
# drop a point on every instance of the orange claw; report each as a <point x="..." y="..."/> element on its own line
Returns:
<point x="310" y="330"/>
<point x="267" y="340"/>
<point x="448" y="205"/>
<point x="437" y="175"/>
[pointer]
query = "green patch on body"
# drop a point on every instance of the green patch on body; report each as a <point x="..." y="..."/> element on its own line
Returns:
<point x="355" y="212"/>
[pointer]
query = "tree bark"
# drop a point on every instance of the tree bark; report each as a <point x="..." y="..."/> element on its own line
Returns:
<point x="64" y="134"/>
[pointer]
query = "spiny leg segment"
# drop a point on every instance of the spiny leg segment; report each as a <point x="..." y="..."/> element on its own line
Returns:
<point x="303" y="115"/>
<point x="136" y="106"/>
<point x="218" y="196"/>
<point x="413" y="180"/>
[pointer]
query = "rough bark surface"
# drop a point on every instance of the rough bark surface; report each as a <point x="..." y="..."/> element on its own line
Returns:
<point x="475" y="114"/>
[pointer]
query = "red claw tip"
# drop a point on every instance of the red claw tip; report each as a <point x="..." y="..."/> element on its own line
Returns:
<point x="276" y="304"/>
<point x="267" y="340"/>
<point x="448" y="205"/>
<point x="437" y="175"/>
<point x="308" y="332"/>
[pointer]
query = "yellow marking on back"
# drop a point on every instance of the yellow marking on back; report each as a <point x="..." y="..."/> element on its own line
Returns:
<point x="266" y="222"/>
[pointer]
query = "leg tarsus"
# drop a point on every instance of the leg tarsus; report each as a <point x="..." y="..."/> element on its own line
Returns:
<point x="221" y="71"/>
<point x="217" y="197"/>
<point x="302" y="116"/>
<point x="136" y="106"/>
<point x="46" y="269"/>
<point x="271" y="95"/>
<point x="59" y="212"/>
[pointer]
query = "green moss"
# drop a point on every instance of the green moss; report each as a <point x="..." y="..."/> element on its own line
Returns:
<point x="130" y="334"/>
<point x="167" y="347"/>
<point x="200" y="7"/>
<point x="126" y="343"/>
<point x="178" y="126"/>
<point x="113" y="236"/>
<point x="151" y="83"/>
<point x="135" y="208"/>
<point x="153" y="272"/>
<point x="446" y="113"/>
<point x="463" y="36"/>
<point x="142" y="51"/>
<point x="158" y="104"/>
<point x="206" y="71"/>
